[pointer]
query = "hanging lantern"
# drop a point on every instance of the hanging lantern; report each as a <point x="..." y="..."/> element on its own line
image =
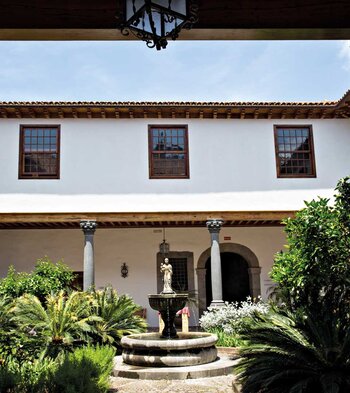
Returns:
<point x="164" y="247"/>
<point x="157" y="21"/>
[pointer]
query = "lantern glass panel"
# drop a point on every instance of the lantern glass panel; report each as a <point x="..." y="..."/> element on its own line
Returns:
<point x="178" y="6"/>
<point x="170" y="25"/>
<point x="130" y="4"/>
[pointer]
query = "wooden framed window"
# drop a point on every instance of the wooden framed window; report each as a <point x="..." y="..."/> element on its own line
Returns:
<point x="39" y="152"/>
<point x="179" y="278"/>
<point x="168" y="152"/>
<point x="294" y="151"/>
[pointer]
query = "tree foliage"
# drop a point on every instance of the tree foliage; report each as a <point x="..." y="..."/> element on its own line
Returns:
<point x="304" y="345"/>
<point x="318" y="257"/>
<point x="46" y="278"/>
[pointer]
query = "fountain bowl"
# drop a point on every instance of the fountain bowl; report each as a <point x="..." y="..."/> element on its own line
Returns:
<point x="167" y="304"/>
<point x="151" y="350"/>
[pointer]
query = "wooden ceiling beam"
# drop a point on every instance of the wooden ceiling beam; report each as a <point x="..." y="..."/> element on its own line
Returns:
<point x="218" y="20"/>
<point x="148" y="217"/>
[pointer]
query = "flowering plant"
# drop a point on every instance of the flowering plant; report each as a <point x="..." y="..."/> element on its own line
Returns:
<point x="229" y="317"/>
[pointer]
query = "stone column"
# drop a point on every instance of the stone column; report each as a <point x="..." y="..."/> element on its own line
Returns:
<point x="88" y="228"/>
<point x="214" y="227"/>
<point x="254" y="281"/>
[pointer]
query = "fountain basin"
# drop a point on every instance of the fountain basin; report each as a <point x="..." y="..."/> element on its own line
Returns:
<point x="150" y="350"/>
<point x="167" y="304"/>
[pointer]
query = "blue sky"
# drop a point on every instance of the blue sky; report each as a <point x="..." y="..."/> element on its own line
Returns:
<point x="185" y="71"/>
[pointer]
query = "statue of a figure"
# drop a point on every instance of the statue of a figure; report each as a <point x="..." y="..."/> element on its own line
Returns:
<point x="167" y="270"/>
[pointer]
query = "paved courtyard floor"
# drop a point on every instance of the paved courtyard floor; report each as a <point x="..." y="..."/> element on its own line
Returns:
<point x="221" y="384"/>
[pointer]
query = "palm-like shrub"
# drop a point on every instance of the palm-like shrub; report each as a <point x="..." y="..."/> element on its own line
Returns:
<point x="303" y="353"/>
<point x="117" y="316"/>
<point x="63" y="320"/>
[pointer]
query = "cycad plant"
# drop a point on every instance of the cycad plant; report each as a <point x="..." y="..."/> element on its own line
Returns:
<point x="64" y="320"/>
<point x="117" y="316"/>
<point x="296" y="353"/>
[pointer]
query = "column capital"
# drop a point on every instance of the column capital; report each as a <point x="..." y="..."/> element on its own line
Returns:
<point x="214" y="225"/>
<point x="88" y="227"/>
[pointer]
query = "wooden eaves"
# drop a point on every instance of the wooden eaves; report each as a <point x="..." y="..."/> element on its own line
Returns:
<point x="177" y="110"/>
<point x="142" y="220"/>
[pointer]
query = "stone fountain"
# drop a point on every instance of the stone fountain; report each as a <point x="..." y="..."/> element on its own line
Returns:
<point x="169" y="354"/>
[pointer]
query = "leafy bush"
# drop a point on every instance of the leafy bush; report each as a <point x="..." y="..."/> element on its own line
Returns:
<point x="305" y="347"/>
<point x="117" y="316"/>
<point x="317" y="260"/>
<point x="296" y="352"/>
<point x="226" y="339"/>
<point x="46" y="278"/>
<point x="9" y="377"/>
<point x="28" y="376"/>
<point x="86" y="370"/>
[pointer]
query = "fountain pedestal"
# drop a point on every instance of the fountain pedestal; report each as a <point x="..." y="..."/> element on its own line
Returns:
<point x="168" y="349"/>
<point x="168" y="305"/>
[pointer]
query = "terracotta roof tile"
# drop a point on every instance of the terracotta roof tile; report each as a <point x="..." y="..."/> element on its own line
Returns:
<point x="163" y="103"/>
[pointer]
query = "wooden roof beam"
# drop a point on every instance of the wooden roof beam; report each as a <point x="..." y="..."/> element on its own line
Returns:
<point x="46" y="113"/>
<point x="60" y="113"/>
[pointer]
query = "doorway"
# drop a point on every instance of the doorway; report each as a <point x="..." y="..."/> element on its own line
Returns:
<point x="235" y="278"/>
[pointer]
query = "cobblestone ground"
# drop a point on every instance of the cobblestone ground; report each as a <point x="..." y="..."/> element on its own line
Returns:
<point x="203" y="385"/>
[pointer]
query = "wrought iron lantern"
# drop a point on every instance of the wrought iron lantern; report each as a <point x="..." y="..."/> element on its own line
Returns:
<point x="124" y="270"/>
<point x="164" y="247"/>
<point x="156" y="21"/>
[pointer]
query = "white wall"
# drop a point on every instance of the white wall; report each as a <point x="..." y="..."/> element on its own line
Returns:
<point x="136" y="247"/>
<point x="104" y="167"/>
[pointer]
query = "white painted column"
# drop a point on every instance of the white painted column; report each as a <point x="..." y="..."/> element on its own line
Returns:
<point x="214" y="227"/>
<point x="88" y="228"/>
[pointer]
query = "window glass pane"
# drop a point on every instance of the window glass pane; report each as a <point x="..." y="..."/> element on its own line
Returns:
<point x="179" y="278"/>
<point x="171" y="163"/>
<point x="39" y="146"/>
<point x="289" y="143"/>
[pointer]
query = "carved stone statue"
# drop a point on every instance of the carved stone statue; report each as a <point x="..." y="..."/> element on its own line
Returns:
<point x="167" y="270"/>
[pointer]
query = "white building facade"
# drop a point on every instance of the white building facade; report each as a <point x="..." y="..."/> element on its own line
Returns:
<point x="148" y="171"/>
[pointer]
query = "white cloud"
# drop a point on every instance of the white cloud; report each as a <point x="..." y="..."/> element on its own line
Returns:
<point x="345" y="54"/>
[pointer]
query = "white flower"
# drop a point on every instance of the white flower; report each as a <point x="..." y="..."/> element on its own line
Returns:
<point x="230" y="316"/>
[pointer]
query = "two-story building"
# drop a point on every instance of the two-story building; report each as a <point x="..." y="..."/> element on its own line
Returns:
<point x="141" y="180"/>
